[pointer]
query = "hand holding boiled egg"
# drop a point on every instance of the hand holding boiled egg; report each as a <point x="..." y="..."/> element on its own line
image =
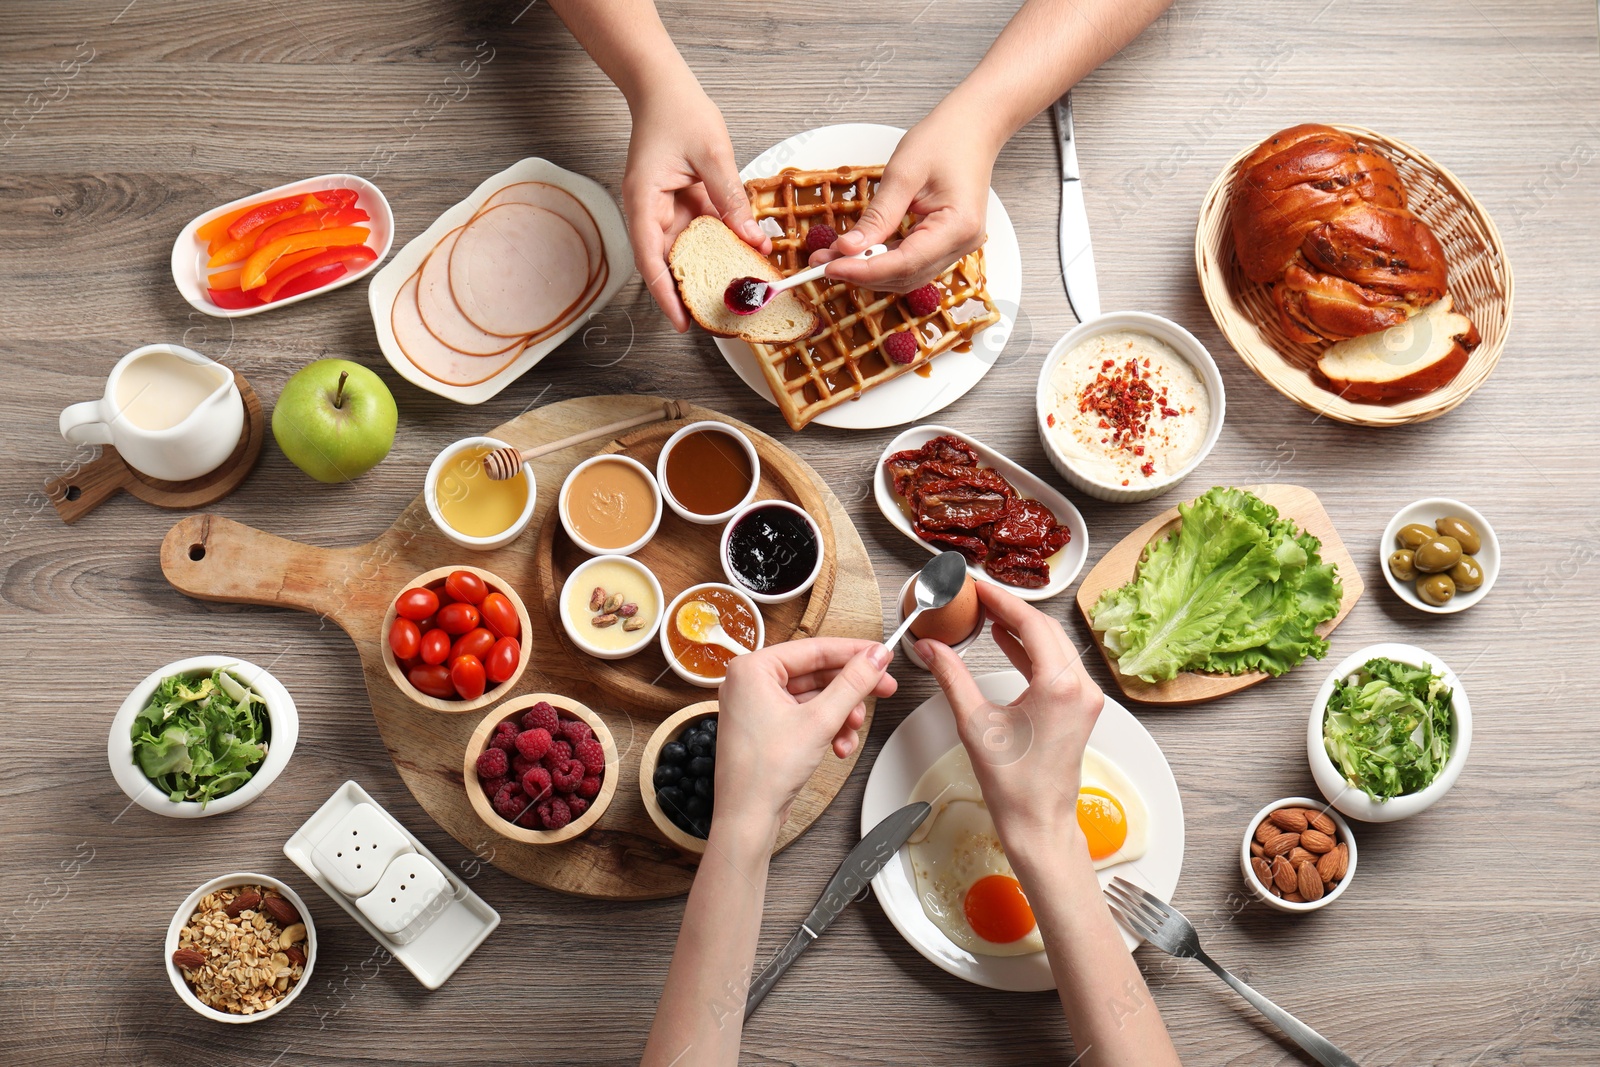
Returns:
<point x="1022" y="785"/>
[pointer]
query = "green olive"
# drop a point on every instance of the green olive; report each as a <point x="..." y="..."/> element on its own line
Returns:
<point x="1466" y="574"/>
<point x="1413" y="534"/>
<point x="1403" y="565"/>
<point x="1463" y="531"/>
<point x="1439" y="554"/>
<point x="1436" y="589"/>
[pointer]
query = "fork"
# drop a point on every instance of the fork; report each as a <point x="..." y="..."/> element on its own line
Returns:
<point x="1148" y="916"/>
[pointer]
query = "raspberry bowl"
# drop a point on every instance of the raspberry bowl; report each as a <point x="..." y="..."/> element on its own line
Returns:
<point x="519" y="740"/>
<point x="470" y="581"/>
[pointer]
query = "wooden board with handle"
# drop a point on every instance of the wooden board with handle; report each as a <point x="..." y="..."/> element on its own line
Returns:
<point x="1119" y="565"/>
<point x="624" y="857"/>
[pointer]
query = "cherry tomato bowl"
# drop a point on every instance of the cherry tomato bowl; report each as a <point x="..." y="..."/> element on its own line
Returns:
<point x="190" y="255"/>
<point x="512" y="711"/>
<point x="448" y="653"/>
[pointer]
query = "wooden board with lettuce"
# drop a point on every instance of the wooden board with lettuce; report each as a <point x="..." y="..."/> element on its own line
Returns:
<point x="1220" y="593"/>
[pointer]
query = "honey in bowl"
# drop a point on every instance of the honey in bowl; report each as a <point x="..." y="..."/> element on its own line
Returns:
<point x="610" y="504"/>
<point x="738" y="622"/>
<point x="708" y="472"/>
<point x="474" y="504"/>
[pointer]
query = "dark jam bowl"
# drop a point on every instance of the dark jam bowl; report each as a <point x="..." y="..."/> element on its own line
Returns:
<point x="772" y="550"/>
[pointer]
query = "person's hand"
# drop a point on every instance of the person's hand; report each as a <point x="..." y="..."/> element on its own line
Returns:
<point x="940" y="173"/>
<point x="1028" y="754"/>
<point x="680" y="166"/>
<point x="782" y="708"/>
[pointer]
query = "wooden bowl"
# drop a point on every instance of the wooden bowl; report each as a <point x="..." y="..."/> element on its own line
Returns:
<point x="1480" y="284"/>
<point x="670" y="728"/>
<point x="433" y="579"/>
<point x="569" y="708"/>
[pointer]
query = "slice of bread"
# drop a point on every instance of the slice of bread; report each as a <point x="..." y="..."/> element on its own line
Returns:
<point x="1422" y="354"/>
<point x="705" y="258"/>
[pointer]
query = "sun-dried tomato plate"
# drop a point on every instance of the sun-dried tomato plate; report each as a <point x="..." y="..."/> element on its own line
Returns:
<point x="1065" y="564"/>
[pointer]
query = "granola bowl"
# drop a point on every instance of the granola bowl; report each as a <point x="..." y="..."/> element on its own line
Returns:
<point x="265" y="930"/>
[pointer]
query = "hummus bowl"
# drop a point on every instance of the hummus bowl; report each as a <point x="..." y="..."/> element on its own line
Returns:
<point x="1169" y="431"/>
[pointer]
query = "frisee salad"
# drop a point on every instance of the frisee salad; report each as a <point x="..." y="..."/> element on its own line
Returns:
<point x="201" y="737"/>
<point x="1387" y="727"/>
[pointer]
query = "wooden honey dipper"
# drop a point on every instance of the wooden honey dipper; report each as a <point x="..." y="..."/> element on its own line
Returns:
<point x="505" y="462"/>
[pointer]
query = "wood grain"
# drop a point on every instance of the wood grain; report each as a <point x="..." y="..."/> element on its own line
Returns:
<point x="1120" y="565"/>
<point x="624" y="857"/>
<point x="1469" y="934"/>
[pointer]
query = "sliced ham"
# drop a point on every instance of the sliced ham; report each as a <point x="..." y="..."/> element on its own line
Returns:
<point x="517" y="269"/>
<point x="434" y="358"/>
<point x="554" y="198"/>
<point x="439" y="311"/>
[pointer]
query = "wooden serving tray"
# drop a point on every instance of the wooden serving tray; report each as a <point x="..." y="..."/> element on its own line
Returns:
<point x="683" y="554"/>
<point x="1117" y="567"/>
<point x="624" y="857"/>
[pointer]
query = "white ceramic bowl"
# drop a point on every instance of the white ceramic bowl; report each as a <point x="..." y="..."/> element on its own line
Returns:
<point x="744" y="442"/>
<point x="280" y="742"/>
<point x="1428" y="511"/>
<point x="566" y="522"/>
<point x="1260" y="892"/>
<point x="189" y="255"/>
<point x="908" y="643"/>
<point x="228" y="881"/>
<point x="1185" y="344"/>
<point x="430" y="496"/>
<point x="672" y="609"/>
<point x="733" y="577"/>
<point x="1352" y="800"/>
<point x="575" y="630"/>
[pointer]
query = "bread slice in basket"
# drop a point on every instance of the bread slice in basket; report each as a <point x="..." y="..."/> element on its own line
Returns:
<point x="1420" y="355"/>
<point x="707" y="256"/>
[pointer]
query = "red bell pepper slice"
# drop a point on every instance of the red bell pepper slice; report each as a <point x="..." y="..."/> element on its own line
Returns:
<point x="210" y="231"/>
<point x="234" y="299"/>
<point x="262" y="259"/>
<point x="326" y="219"/>
<point x="262" y="214"/>
<point x="353" y="257"/>
<point x="312" y="279"/>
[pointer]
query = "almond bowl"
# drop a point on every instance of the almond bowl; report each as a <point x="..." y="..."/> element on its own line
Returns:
<point x="182" y="917"/>
<point x="434" y="580"/>
<point x="512" y="710"/>
<point x="1265" y="895"/>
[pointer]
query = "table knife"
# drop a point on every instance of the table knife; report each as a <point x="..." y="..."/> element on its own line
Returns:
<point x="1077" y="254"/>
<point x="854" y="874"/>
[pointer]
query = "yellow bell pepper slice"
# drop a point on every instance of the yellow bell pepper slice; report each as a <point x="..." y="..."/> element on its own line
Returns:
<point x="262" y="259"/>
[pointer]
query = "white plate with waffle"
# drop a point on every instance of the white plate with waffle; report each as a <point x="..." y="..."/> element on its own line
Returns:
<point x="929" y="384"/>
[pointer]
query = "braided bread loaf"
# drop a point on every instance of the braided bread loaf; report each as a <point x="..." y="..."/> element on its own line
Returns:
<point x="1321" y="218"/>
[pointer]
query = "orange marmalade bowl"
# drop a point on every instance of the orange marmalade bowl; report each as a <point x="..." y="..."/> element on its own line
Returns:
<point x="706" y="665"/>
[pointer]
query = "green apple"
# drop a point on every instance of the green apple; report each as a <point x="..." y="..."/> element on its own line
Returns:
<point x="335" y="420"/>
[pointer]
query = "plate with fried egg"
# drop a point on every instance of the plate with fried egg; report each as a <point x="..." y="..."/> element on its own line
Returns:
<point x="951" y="891"/>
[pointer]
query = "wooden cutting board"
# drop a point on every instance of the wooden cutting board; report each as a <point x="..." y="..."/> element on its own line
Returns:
<point x="1118" y="566"/>
<point x="624" y="857"/>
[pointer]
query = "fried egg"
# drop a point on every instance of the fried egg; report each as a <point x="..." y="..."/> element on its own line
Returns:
<point x="964" y="881"/>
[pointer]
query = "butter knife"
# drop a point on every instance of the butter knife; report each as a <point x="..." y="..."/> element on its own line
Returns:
<point x="854" y="874"/>
<point x="1077" y="254"/>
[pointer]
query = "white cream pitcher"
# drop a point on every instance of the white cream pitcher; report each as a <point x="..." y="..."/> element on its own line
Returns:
<point x="170" y="412"/>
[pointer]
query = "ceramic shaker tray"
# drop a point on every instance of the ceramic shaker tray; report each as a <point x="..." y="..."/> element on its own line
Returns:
<point x="1118" y="567"/>
<point x="624" y="856"/>
<point x="682" y="554"/>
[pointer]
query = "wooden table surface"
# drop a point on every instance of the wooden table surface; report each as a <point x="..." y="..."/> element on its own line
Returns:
<point x="1470" y="934"/>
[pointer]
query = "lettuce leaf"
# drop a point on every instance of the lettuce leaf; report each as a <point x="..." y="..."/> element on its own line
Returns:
<point x="200" y="739"/>
<point x="1236" y="588"/>
<point x="1387" y="727"/>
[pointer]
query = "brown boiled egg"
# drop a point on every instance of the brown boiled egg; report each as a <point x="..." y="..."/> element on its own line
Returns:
<point x="951" y="624"/>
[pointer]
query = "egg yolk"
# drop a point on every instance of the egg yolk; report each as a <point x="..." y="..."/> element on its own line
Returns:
<point x="1102" y="820"/>
<point x="997" y="911"/>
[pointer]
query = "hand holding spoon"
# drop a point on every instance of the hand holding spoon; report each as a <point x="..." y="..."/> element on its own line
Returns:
<point x="937" y="584"/>
<point x="701" y="622"/>
<point x="746" y="296"/>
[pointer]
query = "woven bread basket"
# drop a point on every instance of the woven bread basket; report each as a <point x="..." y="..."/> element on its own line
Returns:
<point x="1480" y="283"/>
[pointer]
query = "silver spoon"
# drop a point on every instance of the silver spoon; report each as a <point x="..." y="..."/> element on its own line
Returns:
<point x="937" y="584"/>
<point x="746" y="296"/>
